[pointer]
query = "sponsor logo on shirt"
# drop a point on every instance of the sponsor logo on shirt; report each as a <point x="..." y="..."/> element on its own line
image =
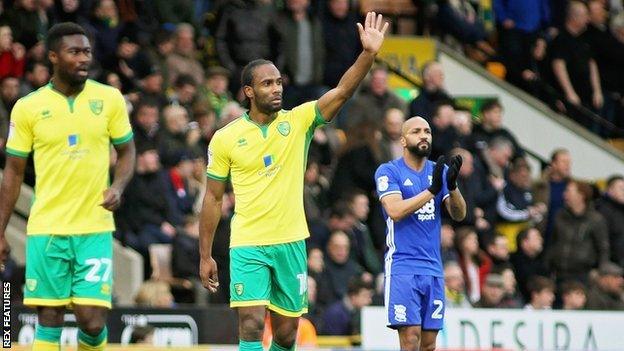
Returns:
<point x="427" y="212"/>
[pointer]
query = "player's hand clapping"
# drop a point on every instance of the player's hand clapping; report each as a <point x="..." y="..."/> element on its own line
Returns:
<point x="453" y="172"/>
<point x="436" y="181"/>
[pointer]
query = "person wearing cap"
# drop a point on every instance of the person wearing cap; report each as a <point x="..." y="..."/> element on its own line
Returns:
<point x="492" y="292"/>
<point x="608" y="289"/>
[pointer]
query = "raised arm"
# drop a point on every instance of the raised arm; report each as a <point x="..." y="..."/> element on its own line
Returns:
<point x="208" y="221"/>
<point x="371" y="36"/>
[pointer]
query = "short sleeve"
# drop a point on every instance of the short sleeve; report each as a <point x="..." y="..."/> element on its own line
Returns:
<point x="218" y="159"/>
<point x="309" y="115"/>
<point x="386" y="181"/>
<point x="20" y="137"/>
<point x="119" y="127"/>
<point x="558" y="49"/>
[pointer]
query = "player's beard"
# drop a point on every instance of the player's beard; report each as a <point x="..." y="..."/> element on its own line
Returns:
<point x="415" y="150"/>
<point x="73" y="80"/>
<point x="266" y="106"/>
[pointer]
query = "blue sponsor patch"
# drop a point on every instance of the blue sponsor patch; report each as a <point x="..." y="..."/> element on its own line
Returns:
<point x="268" y="160"/>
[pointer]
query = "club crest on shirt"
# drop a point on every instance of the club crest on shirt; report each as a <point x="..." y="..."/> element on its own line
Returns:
<point x="96" y="106"/>
<point x="382" y="183"/>
<point x="283" y="128"/>
<point x="31" y="284"/>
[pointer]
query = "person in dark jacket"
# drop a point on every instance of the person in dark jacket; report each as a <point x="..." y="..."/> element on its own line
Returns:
<point x="343" y="316"/>
<point x="246" y="31"/>
<point x="304" y="51"/>
<point x="608" y="290"/>
<point x="527" y="261"/>
<point x="611" y="206"/>
<point x="432" y="91"/>
<point x="342" y="44"/>
<point x="580" y="236"/>
<point x="515" y="203"/>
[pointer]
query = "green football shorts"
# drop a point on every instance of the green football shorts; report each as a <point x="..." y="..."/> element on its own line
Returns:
<point x="270" y="275"/>
<point x="69" y="269"/>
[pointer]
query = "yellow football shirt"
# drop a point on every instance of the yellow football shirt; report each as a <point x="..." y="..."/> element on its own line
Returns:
<point x="71" y="139"/>
<point x="266" y="164"/>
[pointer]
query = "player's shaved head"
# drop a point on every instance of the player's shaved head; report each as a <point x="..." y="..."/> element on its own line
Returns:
<point x="413" y="123"/>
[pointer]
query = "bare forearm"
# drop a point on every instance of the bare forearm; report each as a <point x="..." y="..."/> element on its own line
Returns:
<point x="355" y="74"/>
<point x="594" y="76"/>
<point x="330" y="103"/>
<point x="561" y="72"/>
<point x="397" y="210"/>
<point x="457" y="205"/>
<point x="208" y="221"/>
<point x="124" y="169"/>
<point x="9" y="192"/>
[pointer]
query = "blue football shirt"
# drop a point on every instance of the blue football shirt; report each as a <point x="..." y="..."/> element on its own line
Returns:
<point x="413" y="243"/>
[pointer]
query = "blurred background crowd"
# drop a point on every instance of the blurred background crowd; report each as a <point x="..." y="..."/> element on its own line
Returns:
<point x="536" y="243"/>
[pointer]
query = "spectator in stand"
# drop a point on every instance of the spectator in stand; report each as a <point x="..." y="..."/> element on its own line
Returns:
<point x="362" y="249"/>
<point x="489" y="168"/>
<point x="304" y="52"/>
<point x="442" y="129"/>
<point x="154" y="294"/>
<point x="339" y="268"/>
<point x="492" y="292"/>
<point x="519" y="22"/>
<point x="580" y="239"/>
<point x="454" y="287"/>
<point x="608" y="52"/>
<point x="611" y="206"/>
<point x="37" y="75"/>
<point x="515" y="204"/>
<point x="12" y="54"/>
<point x="468" y="185"/>
<point x="215" y="89"/>
<point x="145" y="125"/>
<point x="498" y="250"/>
<point x="179" y="193"/>
<point x="549" y="190"/>
<point x="182" y="60"/>
<point x="491" y="127"/>
<point x="464" y="126"/>
<point x="241" y="41"/>
<point x="432" y="91"/>
<point x="512" y="297"/>
<point x="573" y="295"/>
<point x="475" y="263"/>
<point x="357" y="162"/>
<point x="28" y="25"/>
<point x="459" y="19"/>
<point x="574" y="66"/>
<point x="343" y="316"/>
<point x="316" y="263"/>
<point x="447" y="247"/>
<point x="105" y="28"/>
<point x="542" y="292"/>
<point x="341" y="218"/>
<point x="178" y="135"/>
<point x="184" y="93"/>
<point x="315" y="188"/>
<point x="375" y="98"/>
<point x="390" y="143"/>
<point x="145" y="213"/>
<point x="342" y="45"/>
<point x="151" y="85"/>
<point x="9" y="93"/>
<point x="527" y="261"/>
<point x="607" y="292"/>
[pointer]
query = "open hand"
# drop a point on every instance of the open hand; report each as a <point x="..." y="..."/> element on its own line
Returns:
<point x="372" y="33"/>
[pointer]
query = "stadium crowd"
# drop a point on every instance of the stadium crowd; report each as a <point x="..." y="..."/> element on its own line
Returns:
<point x="553" y="242"/>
